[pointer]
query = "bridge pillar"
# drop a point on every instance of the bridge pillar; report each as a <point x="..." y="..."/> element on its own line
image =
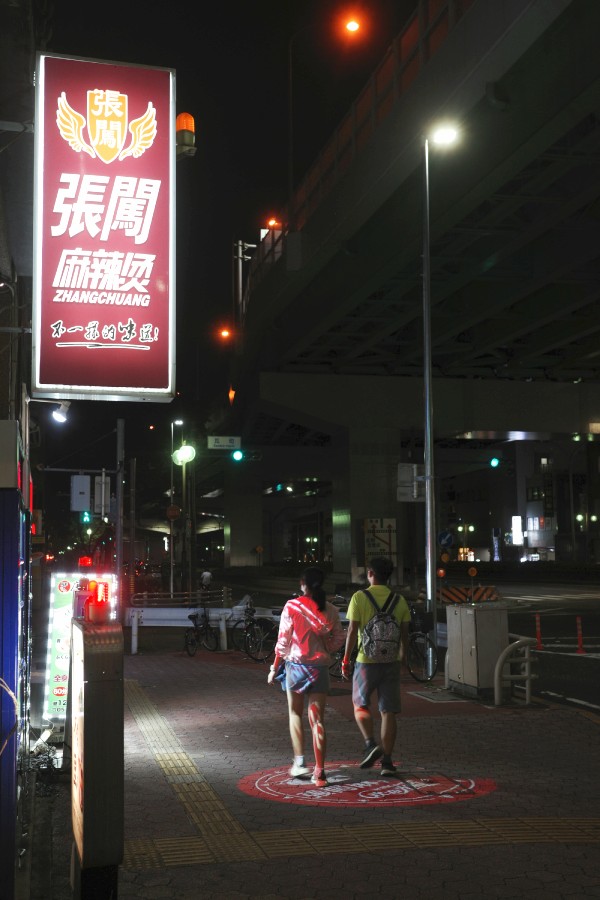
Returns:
<point x="366" y="516"/>
<point x="243" y="528"/>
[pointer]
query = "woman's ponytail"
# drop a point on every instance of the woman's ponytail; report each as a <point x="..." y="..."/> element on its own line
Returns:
<point x="313" y="579"/>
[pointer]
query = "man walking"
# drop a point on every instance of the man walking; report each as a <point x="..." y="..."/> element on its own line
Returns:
<point x="369" y="676"/>
<point x="205" y="579"/>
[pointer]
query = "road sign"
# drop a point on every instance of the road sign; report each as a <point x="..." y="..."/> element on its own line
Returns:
<point x="220" y="442"/>
<point x="445" y="538"/>
<point x="80" y="493"/>
<point x="173" y="512"/>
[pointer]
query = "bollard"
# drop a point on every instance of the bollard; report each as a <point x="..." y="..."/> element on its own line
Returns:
<point x="135" y="622"/>
<point x="538" y="632"/>
<point x="579" y="635"/>
<point x="222" y="632"/>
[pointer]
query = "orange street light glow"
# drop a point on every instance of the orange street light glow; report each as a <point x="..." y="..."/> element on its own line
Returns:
<point x="352" y="25"/>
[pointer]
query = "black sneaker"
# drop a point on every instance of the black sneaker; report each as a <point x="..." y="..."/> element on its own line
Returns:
<point x="371" y="755"/>
<point x="388" y="768"/>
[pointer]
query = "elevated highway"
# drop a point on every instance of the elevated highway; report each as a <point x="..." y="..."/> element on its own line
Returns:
<point x="515" y="232"/>
<point x="330" y="354"/>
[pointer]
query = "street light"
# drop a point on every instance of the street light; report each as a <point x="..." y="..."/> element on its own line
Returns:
<point x="350" y="27"/>
<point x="466" y="531"/>
<point x="61" y="414"/>
<point x="26" y="427"/>
<point x="181" y="457"/>
<point x="171" y="501"/>
<point x="443" y="135"/>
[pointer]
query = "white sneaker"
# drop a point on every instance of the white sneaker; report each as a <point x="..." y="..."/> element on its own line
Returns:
<point x="319" y="778"/>
<point x="299" y="771"/>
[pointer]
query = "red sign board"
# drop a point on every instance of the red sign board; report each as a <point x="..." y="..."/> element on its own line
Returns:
<point x="104" y="279"/>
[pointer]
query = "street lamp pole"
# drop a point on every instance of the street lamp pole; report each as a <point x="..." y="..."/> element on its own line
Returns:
<point x="430" y="573"/>
<point x="445" y="134"/>
<point x="171" y="502"/>
<point x="185" y="454"/>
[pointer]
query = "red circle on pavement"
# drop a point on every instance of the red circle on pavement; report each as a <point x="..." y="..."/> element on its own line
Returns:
<point x="350" y="786"/>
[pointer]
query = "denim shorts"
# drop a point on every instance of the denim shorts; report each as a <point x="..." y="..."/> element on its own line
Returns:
<point x="304" y="678"/>
<point x="381" y="677"/>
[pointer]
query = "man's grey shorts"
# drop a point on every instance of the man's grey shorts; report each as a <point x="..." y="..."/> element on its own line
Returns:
<point x="381" y="677"/>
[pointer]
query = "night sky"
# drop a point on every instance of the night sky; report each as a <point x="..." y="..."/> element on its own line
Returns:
<point x="231" y="63"/>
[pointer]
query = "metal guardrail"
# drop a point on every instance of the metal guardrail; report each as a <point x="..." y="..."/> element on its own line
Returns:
<point x="212" y="598"/>
<point x="172" y="610"/>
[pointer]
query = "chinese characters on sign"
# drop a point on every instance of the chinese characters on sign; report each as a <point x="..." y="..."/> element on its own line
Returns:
<point x="104" y="286"/>
<point x="67" y="596"/>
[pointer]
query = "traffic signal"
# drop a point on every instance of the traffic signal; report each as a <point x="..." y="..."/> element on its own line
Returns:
<point x="494" y="462"/>
<point x="245" y="455"/>
<point x="86" y="518"/>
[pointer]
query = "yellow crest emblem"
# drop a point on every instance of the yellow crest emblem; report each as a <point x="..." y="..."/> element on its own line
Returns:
<point x="107" y="126"/>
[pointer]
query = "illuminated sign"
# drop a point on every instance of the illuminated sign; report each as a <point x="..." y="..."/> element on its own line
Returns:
<point x="104" y="213"/>
<point x="77" y="735"/>
<point x="68" y="594"/>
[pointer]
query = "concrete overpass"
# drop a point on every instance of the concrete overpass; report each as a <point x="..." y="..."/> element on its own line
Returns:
<point x="330" y="355"/>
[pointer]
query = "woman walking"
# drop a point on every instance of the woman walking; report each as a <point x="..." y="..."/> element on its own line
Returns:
<point x="309" y="631"/>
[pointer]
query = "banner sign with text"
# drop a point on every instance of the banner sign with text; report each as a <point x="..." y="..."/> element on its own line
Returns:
<point x="104" y="214"/>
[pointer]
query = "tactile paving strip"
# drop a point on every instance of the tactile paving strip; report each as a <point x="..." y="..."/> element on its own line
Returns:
<point x="212" y="820"/>
<point x="365" y="838"/>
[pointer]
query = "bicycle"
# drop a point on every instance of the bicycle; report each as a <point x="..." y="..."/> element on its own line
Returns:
<point x="335" y="669"/>
<point x="201" y="632"/>
<point x="254" y="636"/>
<point x="422" y="657"/>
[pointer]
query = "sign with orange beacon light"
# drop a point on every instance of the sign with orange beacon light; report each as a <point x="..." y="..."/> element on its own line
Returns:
<point x="72" y="595"/>
<point x="104" y="213"/>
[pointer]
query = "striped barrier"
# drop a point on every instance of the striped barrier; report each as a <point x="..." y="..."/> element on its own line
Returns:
<point x="477" y="594"/>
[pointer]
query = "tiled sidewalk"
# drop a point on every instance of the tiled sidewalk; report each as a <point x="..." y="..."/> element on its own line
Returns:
<point x="490" y="802"/>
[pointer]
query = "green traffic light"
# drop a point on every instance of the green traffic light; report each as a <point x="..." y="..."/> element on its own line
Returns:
<point x="494" y="462"/>
<point x="86" y="518"/>
<point x="237" y="455"/>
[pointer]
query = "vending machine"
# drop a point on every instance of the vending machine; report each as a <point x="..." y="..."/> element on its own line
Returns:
<point x="15" y="663"/>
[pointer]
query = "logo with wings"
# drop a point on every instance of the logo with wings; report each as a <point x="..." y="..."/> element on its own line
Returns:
<point x="107" y="126"/>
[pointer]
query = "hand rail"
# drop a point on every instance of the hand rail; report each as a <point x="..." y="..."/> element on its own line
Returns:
<point x="525" y="659"/>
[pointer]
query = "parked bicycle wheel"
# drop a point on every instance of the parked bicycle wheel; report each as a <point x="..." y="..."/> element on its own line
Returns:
<point x="420" y="649"/>
<point x="238" y="636"/>
<point x="335" y="669"/>
<point x="210" y="637"/>
<point x="261" y="639"/>
<point x="270" y="634"/>
<point x="190" y="642"/>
